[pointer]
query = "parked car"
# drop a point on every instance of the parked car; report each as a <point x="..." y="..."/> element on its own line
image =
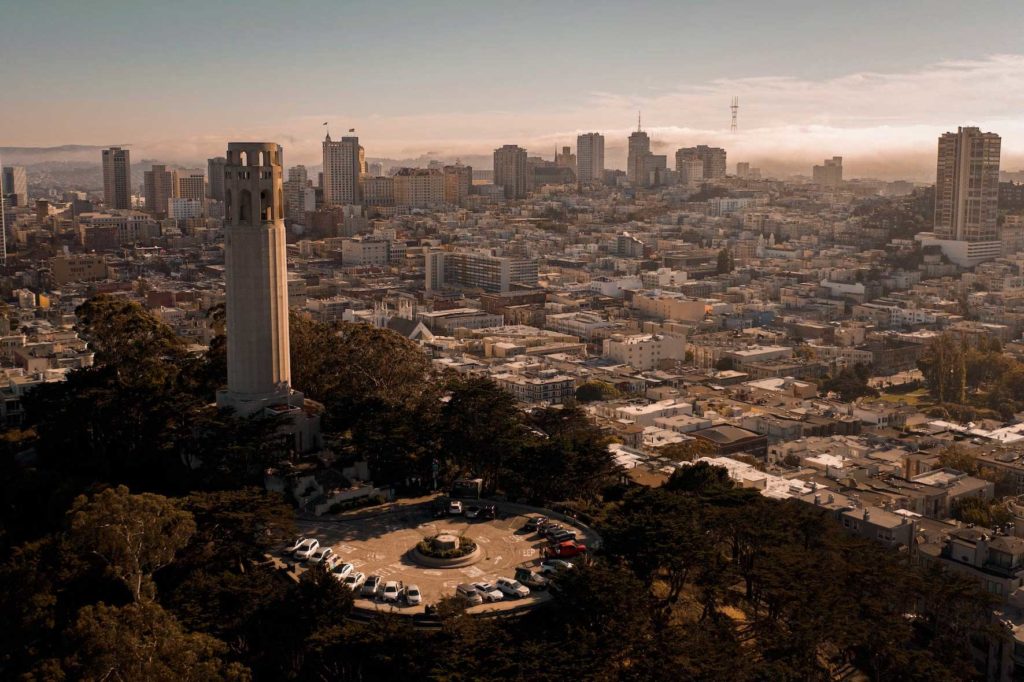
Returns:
<point x="341" y="571"/>
<point x="535" y="581"/>
<point x="560" y="536"/>
<point x="533" y="523"/>
<point x="551" y="566"/>
<point x="552" y="530"/>
<point x="306" y="548"/>
<point x="512" y="588"/>
<point x="488" y="592"/>
<point x="331" y="562"/>
<point x="489" y="511"/>
<point x="565" y="550"/>
<point x="469" y="593"/>
<point x="413" y="596"/>
<point x="370" y="587"/>
<point x="454" y="507"/>
<point x="472" y="511"/>
<point x="354" y="581"/>
<point x="392" y="590"/>
<point x="321" y="554"/>
<point x="291" y="549"/>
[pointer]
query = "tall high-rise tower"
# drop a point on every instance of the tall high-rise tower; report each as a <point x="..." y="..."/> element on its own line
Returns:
<point x="117" y="178"/>
<point x="259" y="370"/>
<point x="14" y="185"/>
<point x="590" y="158"/>
<point x="967" y="186"/>
<point x="160" y="185"/>
<point x="636" y="161"/>
<point x="215" y="178"/>
<point x="344" y="162"/>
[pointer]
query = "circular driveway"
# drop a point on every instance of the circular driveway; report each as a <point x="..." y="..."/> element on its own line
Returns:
<point x="378" y="543"/>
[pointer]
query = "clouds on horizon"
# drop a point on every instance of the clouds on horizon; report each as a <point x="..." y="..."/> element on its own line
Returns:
<point x="883" y="124"/>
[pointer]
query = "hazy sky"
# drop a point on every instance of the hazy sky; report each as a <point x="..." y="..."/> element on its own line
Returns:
<point x="872" y="81"/>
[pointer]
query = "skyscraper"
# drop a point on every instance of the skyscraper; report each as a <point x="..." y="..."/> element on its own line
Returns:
<point x="830" y="173"/>
<point x="636" y="161"/>
<point x="295" y="193"/>
<point x="590" y="158"/>
<point x="259" y="372"/>
<point x="512" y="171"/>
<point x="344" y="162"/>
<point x="215" y="177"/>
<point x="14" y="184"/>
<point x="160" y="185"/>
<point x="967" y="186"/>
<point x="117" y="178"/>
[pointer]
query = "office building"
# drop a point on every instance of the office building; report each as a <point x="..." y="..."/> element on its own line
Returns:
<point x="160" y="185"/>
<point x="14" y="185"/>
<point x="477" y="270"/>
<point x="215" y="178"/>
<point x="512" y="171"/>
<point x="590" y="158"/>
<point x="418" y="187"/>
<point x="192" y="187"/>
<point x="691" y="171"/>
<point x="344" y="163"/>
<point x="830" y="173"/>
<point x="637" y="165"/>
<point x="180" y="208"/>
<point x="374" y="169"/>
<point x="458" y="181"/>
<point x="117" y="178"/>
<point x="713" y="159"/>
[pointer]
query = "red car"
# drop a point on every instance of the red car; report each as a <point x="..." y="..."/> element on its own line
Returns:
<point x="565" y="550"/>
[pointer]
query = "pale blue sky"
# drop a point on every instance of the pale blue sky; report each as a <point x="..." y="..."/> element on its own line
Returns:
<point x="428" y="75"/>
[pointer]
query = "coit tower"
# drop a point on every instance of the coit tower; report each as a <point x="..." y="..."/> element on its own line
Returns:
<point x="259" y="373"/>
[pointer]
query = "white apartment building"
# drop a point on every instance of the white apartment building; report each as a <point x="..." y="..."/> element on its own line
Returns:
<point x="644" y="351"/>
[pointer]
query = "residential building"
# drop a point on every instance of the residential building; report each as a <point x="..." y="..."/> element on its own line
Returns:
<point x="713" y="159"/>
<point x="590" y="158"/>
<point x="478" y="271"/>
<point x="458" y="181"/>
<point x="512" y="171"/>
<point x="419" y="187"/>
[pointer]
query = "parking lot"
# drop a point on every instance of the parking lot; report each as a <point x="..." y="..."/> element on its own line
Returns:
<point x="378" y="544"/>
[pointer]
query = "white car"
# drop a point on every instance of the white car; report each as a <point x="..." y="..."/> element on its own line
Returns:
<point x="454" y="507"/>
<point x="549" y="566"/>
<point x="392" y="590"/>
<point x="306" y="548"/>
<point x="413" y="596"/>
<point x="321" y="554"/>
<point x="354" y="581"/>
<point x="488" y="592"/>
<point x="291" y="549"/>
<point x="513" y="588"/>
<point x="331" y="562"/>
<point x="341" y="571"/>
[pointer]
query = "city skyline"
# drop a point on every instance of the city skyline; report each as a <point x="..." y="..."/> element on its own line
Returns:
<point x="876" y="91"/>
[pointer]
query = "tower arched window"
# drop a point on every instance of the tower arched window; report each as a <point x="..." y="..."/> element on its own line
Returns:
<point x="243" y="159"/>
<point x="263" y="159"/>
<point x="280" y="203"/>
<point x="244" y="206"/>
<point x="227" y="204"/>
<point x="266" y="208"/>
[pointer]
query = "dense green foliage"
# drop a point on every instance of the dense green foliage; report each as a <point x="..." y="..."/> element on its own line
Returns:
<point x="973" y="379"/>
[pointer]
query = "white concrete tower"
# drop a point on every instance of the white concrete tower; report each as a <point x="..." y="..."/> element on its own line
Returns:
<point x="259" y="371"/>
